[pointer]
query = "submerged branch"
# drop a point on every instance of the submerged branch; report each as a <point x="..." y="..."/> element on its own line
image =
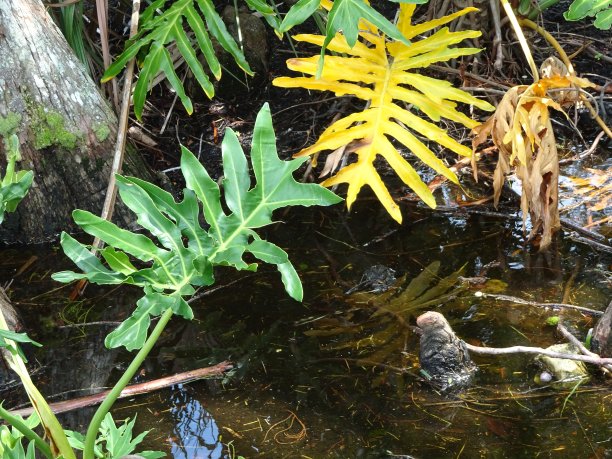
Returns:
<point x="539" y="351"/>
<point x="134" y="389"/>
<point x="517" y="300"/>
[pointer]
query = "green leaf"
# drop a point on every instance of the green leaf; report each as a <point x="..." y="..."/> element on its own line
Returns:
<point x="603" y="19"/>
<point x="268" y="13"/>
<point x="94" y="270"/>
<point x="206" y="46"/>
<point x="345" y="16"/>
<point x="237" y="182"/>
<point x="298" y="13"/>
<point x="580" y="9"/>
<point x="15" y="184"/>
<point x="291" y="281"/>
<point x="190" y="252"/>
<point x="132" y="332"/>
<point x="205" y="188"/>
<point x="17" y="338"/>
<point x="185" y="214"/>
<point x="118" y="261"/>
<point x="136" y="245"/>
<point x="162" y="27"/>
<point x="275" y="188"/>
<point x="150" y="216"/>
<point x="119" y="441"/>
<point x="268" y="252"/>
<point x="218" y="30"/>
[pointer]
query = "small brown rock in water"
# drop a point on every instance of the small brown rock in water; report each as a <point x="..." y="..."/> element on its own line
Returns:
<point x="444" y="358"/>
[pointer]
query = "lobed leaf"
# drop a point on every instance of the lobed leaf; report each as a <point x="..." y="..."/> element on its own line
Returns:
<point x="186" y="253"/>
<point x="380" y="73"/>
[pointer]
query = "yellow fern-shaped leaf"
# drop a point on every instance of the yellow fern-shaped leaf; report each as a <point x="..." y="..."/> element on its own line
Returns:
<point x="382" y="73"/>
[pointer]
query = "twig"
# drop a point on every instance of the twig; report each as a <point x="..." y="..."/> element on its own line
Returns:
<point x="539" y="351"/>
<point x="585" y="232"/>
<point x="497" y="41"/>
<point x="576" y="342"/>
<point x="135" y="389"/>
<point x="585" y="153"/>
<point x="111" y="191"/>
<point x="517" y="300"/>
<point x="90" y="324"/>
<point x="102" y="10"/>
<point x="594" y="244"/>
<point x="472" y="76"/>
<point x="169" y="114"/>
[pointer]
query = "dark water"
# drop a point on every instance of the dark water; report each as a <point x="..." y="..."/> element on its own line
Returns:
<point x="326" y="378"/>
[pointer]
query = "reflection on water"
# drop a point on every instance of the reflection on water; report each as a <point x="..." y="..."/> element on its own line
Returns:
<point x="196" y="434"/>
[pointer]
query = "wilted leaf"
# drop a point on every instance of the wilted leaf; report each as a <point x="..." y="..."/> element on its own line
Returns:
<point x="522" y="131"/>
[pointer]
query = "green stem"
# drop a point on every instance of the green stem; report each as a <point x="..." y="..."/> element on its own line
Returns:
<point x="94" y="426"/>
<point x="18" y="424"/>
<point x="541" y="6"/>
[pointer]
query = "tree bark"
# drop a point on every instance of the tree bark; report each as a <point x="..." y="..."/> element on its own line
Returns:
<point x="602" y="334"/>
<point x="66" y="128"/>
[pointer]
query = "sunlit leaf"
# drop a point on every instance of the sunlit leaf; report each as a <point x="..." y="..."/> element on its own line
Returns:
<point x="601" y="9"/>
<point x="380" y="73"/>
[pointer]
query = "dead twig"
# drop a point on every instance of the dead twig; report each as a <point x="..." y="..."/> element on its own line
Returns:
<point x="517" y="300"/>
<point x="585" y="153"/>
<point x="292" y="438"/>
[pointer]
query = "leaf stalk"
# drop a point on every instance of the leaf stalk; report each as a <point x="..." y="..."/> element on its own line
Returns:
<point x="18" y="424"/>
<point x="94" y="426"/>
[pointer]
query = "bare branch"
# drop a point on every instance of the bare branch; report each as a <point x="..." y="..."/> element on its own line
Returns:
<point x="596" y="360"/>
<point x="517" y="300"/>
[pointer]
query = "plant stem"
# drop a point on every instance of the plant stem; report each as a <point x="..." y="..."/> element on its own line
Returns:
<point x="541" y="6"/>
<point x="521" y="39"/>
<point x="18" y="424"/>
<point x="94" y="426"/>
<point x="551" y="40"/>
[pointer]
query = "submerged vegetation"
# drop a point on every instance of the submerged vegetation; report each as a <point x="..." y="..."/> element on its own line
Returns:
<point x="388" y="60"/>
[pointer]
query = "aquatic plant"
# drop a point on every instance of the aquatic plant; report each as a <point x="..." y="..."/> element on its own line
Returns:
<point x="15" y="184"/>
<point x="184" y="257"/>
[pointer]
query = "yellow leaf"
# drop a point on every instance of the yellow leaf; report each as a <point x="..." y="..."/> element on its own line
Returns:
<point x="379" y="72"/>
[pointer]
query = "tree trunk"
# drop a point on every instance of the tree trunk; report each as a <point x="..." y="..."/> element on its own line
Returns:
<point x="66" y="128"/>
<point x="601" y="342"/>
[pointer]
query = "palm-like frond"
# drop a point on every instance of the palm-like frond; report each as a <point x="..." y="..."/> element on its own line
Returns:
<point x="162" y="29"/>
<point x="383" y="74"/>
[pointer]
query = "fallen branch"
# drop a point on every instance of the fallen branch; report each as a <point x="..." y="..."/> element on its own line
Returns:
<point x="576" y="342"/>
<point x="135" y="389"/>
<point x="517" y="300"/>
<point x="538" y="350"/>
